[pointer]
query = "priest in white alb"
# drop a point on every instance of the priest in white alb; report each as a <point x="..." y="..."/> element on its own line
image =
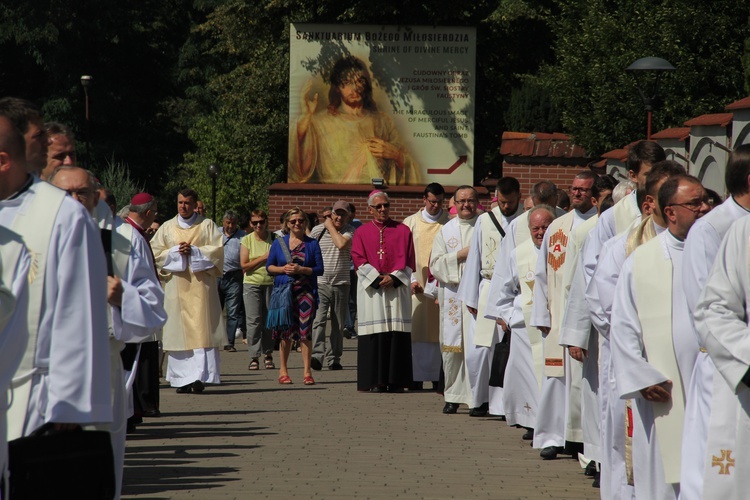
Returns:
<point x="653" y="347"/>
<point x="616" y="464"/>
<point x="135" y="300"/>
<point x="714" y="412"/>
<point x="449" y="252"/>
<point x="511" y="299"/>
<point x="63" y="377"/>
<point x="425" y="314"/>
<point x="14" y="333"/>
<point x="190" y="256"/>
<point x="489" y="232"/>
<point x="553" y="276"/>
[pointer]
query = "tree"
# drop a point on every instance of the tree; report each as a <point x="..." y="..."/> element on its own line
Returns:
<point x="595" y="40"/>
<point x="131" y="51"/>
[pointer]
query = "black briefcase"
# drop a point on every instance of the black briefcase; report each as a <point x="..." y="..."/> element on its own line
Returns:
<point x="71" y="464"/>
<point x="500" y="358"/>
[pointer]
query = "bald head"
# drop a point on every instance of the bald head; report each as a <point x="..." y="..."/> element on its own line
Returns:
<point x="79" y="183"/>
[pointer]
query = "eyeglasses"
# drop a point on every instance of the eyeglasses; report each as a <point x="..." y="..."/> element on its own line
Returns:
<point x="466" y="202"/>
<point x="693" y="206"/>
<point x="294" y="222"/>
<point x="579" y="190"/>
<point x="433" y="202"/>
<point x="79" y="193"/>
<point x="380" y="205"/>
<point x="257" y="222"/>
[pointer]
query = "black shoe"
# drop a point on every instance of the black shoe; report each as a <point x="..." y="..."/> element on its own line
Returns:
<point x="151" y="413"/>
<point x="550" y="452"/>
<point x="480" y="411"/>
<point x="450" y="408"/>
<point x="596" y="482"/>
<point x="416" y="386"/>
<point x="335" y="366"/>
<point x="590" y="469"/>
<point x="230" y="348"/>
<point x="573" y="448"/>
<point x="380" y="388"/>
<point x="315" y="364"/>
<point x="198" y="386"/>
<point x="346" y="333"/>
<point x="529" y="435"/>
<point x="395" y="389"/>
<point x="185" y="389"/>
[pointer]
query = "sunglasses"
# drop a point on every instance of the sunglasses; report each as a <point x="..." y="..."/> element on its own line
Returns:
<point x="257" y="222"/>
<point x="297" y="221"/>
<point x="380" y="205"/>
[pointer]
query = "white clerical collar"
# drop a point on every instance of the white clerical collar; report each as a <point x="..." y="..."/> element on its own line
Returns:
<point x="431" y="218"/>
<point x="467" y="221"/>
<point x="674" y="242"/>
<point x="740" y="207"/>
<point x="185" y="223"/>
<point x="657" y="227"/>
<point x="586" y="215"/>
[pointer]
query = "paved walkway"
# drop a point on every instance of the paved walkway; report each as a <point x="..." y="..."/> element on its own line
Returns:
<point x="252" y="438"/>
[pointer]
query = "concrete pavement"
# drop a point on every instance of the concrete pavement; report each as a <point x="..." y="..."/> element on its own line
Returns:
<point x="253" y="438"/>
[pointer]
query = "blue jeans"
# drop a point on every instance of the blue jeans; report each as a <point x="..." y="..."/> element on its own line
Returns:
<point x="230" y="294"/>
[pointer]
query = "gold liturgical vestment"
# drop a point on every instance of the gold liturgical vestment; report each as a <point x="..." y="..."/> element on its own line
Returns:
<point x="425" y="314"/>
<point x="191" y="299"/>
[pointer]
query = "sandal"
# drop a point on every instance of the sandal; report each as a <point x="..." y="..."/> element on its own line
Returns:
<point x="254" y="365"/>
<point x="285" y="380"/>
<point x="309" y="380"/>
<point x="268" y="363"/>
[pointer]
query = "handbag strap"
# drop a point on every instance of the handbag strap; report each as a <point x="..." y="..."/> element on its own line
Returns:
<point x="496" y="223"/>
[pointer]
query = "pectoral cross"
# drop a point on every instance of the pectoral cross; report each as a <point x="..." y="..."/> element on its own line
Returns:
<point x="381" y="252"/>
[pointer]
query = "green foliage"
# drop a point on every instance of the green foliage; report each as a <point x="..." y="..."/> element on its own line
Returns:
<point x="597" y="39"/>
<point x="116" y="178"/>
<point x="130" y="49"/>
<point x="531" y="110"/>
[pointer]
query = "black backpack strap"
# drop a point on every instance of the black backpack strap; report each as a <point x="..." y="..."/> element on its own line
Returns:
<point x="496" y="223"/>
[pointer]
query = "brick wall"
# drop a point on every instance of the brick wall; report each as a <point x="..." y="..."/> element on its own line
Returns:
<point x="528" y="175"/>
<point x="405" y="200"/>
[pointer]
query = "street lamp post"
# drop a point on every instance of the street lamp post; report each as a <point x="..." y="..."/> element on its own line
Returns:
<point x="650" y="69"/>
<point x="213" y="173"/>
<point x="86" y="82"/>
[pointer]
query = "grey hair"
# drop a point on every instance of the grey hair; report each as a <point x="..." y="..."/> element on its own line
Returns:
<point x="231" y="215"/>
<point x="536" y="208"/>
<point x="143" y="207"/>
<point x="621" y="189"/>
<point x="125" y="211"/>
<point x="89" y="174"/>
<point x="376" y="195"/>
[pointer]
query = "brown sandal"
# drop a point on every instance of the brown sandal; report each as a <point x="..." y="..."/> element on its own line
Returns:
<point x="254" y="365"/>
<point x="268" y="363"/>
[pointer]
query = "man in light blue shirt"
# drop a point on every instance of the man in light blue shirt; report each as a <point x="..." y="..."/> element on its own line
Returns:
<point x="230" y="285"/>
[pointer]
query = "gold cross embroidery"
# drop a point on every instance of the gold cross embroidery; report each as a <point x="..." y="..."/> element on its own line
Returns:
<point x="724" y="462"/>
